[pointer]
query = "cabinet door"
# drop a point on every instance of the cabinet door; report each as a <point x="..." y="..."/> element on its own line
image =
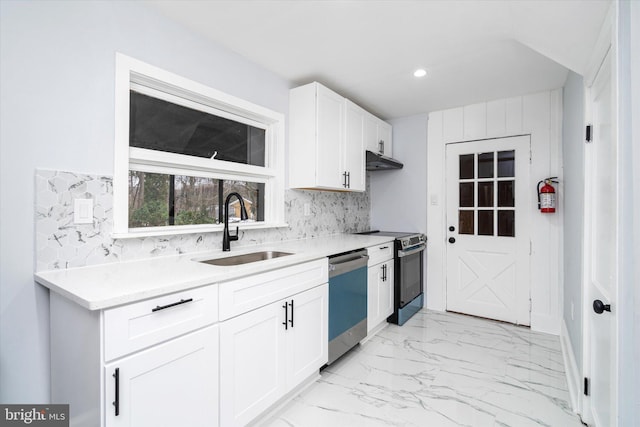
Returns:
<point x="171" y="384"/>
<point x="354" y="147"/>
<point x="307" y="335"/>
<point x="380" y="294"/>
<point x="386" y="292"/>
<point x="252" y="363"/>
<point x="371" y="132"/>
<point x="384" y="136"/>
<point x="330" y="128"/>
<point x="373" y="296"/>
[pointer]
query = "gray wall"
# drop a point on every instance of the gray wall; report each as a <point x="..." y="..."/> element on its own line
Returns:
<point x="573" y="204"/>
<point x="57" y="112"/>
<point x="399" y="197"/>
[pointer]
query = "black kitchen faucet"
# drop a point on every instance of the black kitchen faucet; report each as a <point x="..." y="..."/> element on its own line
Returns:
<point x="226" y="237"/>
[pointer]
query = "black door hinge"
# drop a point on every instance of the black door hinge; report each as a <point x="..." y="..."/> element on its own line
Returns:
<point x="586" y="386"/>
<point x="588" y="135"/>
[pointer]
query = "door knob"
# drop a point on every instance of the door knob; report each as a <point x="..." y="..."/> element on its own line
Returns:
<point x="452" y="240"/>
<point x="452" y="228"/>
<point x="599" y="306"/>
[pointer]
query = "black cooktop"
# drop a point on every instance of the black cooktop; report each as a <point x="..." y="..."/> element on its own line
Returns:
<point x="394" y="234"/>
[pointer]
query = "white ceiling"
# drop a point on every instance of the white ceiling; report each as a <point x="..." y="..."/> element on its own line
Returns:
<point x="474" y="50"/>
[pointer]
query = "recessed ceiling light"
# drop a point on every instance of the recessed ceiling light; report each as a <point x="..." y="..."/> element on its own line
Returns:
<point x="420" y="72"/>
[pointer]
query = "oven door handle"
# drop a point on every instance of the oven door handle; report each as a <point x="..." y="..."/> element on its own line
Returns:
<point x="419" y="248"/>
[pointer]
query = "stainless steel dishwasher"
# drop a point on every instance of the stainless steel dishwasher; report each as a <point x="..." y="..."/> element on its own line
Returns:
<point x="347" y="301"/>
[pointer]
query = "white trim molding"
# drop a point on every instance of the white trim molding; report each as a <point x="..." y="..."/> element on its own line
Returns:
<point x="132" y="73"/>
<point x="571" y="369"/>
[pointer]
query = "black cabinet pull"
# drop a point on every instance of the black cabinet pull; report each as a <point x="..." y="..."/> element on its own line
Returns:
<point x="291" y="320"/>
<point x="384" y="247"/>
<point x="182" y="301"/>
<point x="344" y="181"/>
<point x="286" y="316"/>
<point x="116" y="402"/>
<point x="452" y="240"/>
<point x="348" y="179"/>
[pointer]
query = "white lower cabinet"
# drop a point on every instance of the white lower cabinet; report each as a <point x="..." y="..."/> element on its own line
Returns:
<point x="268" y="351"/>
<point x="151" y="363"/>
<point x="380" y="294"/>
<point x="171" y="384"/>
<point x="173" y="361"/>
<point x="380" y="280"/>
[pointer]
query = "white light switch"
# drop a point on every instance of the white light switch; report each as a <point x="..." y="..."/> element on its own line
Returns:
<point x="434" y="200"/>
<point x="307" y="209"/>
<point x="83" y="211"/>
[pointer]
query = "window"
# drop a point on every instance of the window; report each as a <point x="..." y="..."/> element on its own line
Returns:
<point x="182" y="147"/>
<point x="486" y="192"/>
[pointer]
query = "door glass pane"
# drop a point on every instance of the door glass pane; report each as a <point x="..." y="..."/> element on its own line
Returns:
<point x="465" y="222"/>
<point x="506" y="163"/>
<point x="485" y="165"/>
<point x="466" y="166"/>
<point x="506" y="223"/>
<point x="466" y="194"/>
<point x="485" y="194"/>
<point x="505" y="194"/>
<point x="485" y="223"/>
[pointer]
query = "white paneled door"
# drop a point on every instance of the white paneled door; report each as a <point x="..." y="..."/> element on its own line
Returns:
<point x="601" y="252"/>
<point x="488" y="244"/>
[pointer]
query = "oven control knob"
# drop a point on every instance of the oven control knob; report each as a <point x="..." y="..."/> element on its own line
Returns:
<point x="452" y="240"/>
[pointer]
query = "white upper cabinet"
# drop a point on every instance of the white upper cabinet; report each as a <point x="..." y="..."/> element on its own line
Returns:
<point x="353" y="157"/>
<point x="377" y="135"/>
<point x="328" y="136"/>
<point x="316" y="138"/>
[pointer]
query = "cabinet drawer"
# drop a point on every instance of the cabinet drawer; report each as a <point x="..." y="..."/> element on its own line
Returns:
<point x="380" y="253"/>
<point x="246" y="294"/>
<point x="135" y="326"/>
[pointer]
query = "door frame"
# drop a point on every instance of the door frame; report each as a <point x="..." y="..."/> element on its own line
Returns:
<point x="604" y="50"/>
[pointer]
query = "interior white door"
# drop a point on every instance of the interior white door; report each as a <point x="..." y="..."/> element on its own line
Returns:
<point x="488" y="228"/>
<point x="601" y="250"/>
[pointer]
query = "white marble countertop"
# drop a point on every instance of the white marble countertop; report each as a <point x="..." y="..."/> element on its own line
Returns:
<point x="109" y="285"/>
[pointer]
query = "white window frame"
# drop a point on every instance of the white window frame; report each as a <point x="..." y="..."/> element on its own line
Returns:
<point x="134" y="74"/>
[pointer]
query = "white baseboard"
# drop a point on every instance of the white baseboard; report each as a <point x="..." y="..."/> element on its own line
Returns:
<point x="570" y="368"/>
<point x="545" y="323"/>
<point x="270" y="415"/>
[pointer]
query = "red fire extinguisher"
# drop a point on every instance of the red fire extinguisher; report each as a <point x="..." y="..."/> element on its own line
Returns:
<point x="547" y="195"/>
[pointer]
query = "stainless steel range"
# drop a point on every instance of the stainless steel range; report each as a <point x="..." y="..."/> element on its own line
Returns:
<point x="409" y="273"/>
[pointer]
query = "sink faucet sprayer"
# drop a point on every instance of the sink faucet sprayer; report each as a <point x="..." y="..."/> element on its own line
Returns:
<point x="226" y="237"/>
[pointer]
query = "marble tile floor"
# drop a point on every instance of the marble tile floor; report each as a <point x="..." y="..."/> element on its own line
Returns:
<point x="440" y="369"/>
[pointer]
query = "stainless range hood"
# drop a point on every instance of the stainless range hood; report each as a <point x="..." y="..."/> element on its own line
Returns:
<point x="378" y="162"/>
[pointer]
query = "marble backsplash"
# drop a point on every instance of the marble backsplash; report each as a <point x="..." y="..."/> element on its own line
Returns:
<point x="60" y="243"/>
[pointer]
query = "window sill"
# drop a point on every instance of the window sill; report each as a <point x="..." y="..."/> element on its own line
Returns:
<point x="163" y="231"/>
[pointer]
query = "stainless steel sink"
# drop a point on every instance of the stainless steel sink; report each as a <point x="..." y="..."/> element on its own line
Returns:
<point x="246" y="258"/>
